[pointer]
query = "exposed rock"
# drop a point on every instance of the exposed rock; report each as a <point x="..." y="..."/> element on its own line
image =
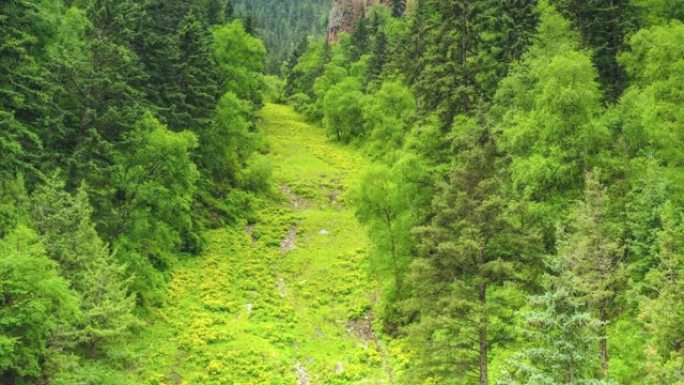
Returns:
<point x="282" y="287"/>
<point x="323" y="232"/>
<point x="288" y="243"/>
<point x="362" y="328"/>
<point x="302" y="374"/>
<point x="297" y="202"/>
<point x="343" y="14"/>
<point x="249" y="229"/>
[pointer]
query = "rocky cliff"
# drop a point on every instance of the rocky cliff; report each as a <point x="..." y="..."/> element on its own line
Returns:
<point x="343" y="13"/>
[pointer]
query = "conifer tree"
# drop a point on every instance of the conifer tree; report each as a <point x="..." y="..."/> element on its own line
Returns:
<point x="378" y="57"/>
<point x="289" y="70"/>
<point x="474" y="244"/>
<point x="461" y="47"/>
<point x="595" y="260"/>
<point x="562" y="335"/>
<point x="198" y="74"/>
<point x="26" y="106"/>
<point x="360" y="37"/>
<point x="661" y="308"/>
<point x="64" y="222"/>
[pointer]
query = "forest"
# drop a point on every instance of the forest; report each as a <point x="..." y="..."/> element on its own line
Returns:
<point x="451" y="192"/>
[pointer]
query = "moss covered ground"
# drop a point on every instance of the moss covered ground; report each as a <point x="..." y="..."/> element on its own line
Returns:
<point x="283" y="300"/>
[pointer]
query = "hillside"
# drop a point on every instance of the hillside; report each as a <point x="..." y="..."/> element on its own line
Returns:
<point x="283" y="23"/>
<point x="284" y="299"/>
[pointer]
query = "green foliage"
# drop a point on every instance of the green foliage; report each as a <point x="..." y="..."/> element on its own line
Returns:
<point x="387" y="115"/>
<point x="603" y="27"/>
<point x="240" y="58"/>
<point x="157" y="184"/>
<point x="661" y="308"/>
<point x="37" y="303"/>
<point x="64" y="222"/>
<point x="549" y="112"/>
<point x="474" y="246"/>
<point x="343" y="110"/>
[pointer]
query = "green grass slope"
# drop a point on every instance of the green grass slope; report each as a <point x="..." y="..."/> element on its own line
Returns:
<point x="285" y="300"/>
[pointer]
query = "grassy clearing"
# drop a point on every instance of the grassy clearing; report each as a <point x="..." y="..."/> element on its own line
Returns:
<point x="256" y="310"/>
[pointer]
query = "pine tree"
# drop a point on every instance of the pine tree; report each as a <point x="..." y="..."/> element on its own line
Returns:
<point x="360" y="38"/>
<point x="289" y="70"/>
<point x="661" y="308"/>
<point x="596" y="260"/>
<point x="378" y="57"/>
<point x="157" y="44"/>
<point x="562" y="335"/>
<point x="474" y="244"/>
<point x="198" y="74"/>
<point x="461" y="47"/>
<point x="26" y="107"/>
<point x="218" y="12"/>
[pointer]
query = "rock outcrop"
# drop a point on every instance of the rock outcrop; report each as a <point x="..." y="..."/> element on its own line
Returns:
<point x="343" y="14"/>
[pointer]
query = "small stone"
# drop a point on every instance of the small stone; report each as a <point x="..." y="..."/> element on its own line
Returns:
<point x="323" y="232"/>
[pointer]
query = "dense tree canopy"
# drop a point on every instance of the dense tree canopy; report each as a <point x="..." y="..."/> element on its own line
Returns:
<point x="524" y="197"/>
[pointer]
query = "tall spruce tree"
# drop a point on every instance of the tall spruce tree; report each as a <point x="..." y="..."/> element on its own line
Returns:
<point x="661" y="308"/>
<point x="474" y="244"/>
<point x="26" y="105"/>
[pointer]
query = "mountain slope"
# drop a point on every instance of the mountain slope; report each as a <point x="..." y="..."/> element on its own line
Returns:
<point x="285" y="300"/>
<point x="283" y="23"/>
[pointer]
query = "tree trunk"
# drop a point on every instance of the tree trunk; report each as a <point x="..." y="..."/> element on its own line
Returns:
<point x="484" y="371"/>
<point x="603" y="341"/>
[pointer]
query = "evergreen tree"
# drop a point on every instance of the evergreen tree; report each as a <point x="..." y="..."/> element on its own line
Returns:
<point x="378" y="57"/>
<point x="562" y="335"/>
<point x="157" y="43"/>
<point x="26" y="105"/>
<point x="360" y="38"/>
<point x="64" y="222"/>
<point x="460" y="78"/>
<point x="595" y="260"/>
<point x="289" y="70"/>
<point x="474" y="244"/>
<point x="199" y="76"/>
<point x="661" y="308"/>
<point x="218" y="12"/>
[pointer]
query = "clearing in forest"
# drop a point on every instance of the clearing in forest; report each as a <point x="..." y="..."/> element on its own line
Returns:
<point x="285" y="300"/>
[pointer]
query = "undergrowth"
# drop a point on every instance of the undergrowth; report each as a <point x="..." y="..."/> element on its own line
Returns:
<point x="252" y="311"/>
